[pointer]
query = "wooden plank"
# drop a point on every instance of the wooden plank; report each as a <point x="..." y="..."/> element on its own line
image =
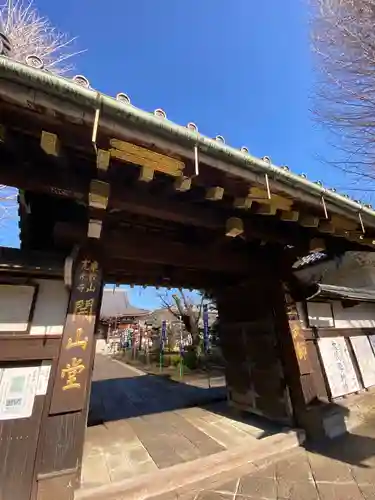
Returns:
<point x="131" y="153"/>
<point x="28" y="347"/>
<point x="152" y="249"/>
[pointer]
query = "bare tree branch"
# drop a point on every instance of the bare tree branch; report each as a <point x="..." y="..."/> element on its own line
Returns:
<point x="32" y="34"/>
<point x="344" y="44"/>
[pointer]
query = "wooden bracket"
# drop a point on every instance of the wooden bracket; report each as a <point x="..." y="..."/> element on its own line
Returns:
<point x="215" y="193"/>
<point x="182" y="184"/>
<point x="103" y="159"/>
<point x="234" y="227"/>
<point x="243" y="203"/>
<point x="99" y="194"/>
<point x="146" y="174"/>
<point x="289" y="215"/>
<point x="309" y="220"/>
<point x="50" y="143"/>
<point x="95" y="228"/>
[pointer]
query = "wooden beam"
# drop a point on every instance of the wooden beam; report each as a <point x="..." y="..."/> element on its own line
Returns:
<point x="156" y="249"/>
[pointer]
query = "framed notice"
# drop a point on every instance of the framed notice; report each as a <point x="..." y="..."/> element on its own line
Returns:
<point x="338" y="366"/>
<point x="17" y="392"/>
<point x="365" y="358"/>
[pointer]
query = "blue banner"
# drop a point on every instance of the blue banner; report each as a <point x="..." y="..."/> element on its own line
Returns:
<point x="205" y="328"/>
<point x="163" y="335"/>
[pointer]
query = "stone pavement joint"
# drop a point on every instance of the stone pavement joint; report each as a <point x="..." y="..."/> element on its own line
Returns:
<point x="341" y="469"/>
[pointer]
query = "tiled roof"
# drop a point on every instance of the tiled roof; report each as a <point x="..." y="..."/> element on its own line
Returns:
<point x="312" y="258"/>
<point x="115" y="304"/>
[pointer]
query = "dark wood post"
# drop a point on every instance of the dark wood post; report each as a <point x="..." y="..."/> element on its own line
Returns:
<point x="60" y="446"/>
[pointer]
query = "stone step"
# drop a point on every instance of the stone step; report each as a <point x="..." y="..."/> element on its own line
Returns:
<point x="187" y="474"/>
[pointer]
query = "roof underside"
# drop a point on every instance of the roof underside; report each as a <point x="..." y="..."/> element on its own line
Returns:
<point x="343" y="293"/>
<point x="175" y="207"/>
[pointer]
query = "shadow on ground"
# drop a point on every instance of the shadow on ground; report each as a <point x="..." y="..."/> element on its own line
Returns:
<point x="353" y="447"/>
<point x="128" y="397"/>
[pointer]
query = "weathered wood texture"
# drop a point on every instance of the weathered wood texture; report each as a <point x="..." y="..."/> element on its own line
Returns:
<point x="58" y="467"/>
<point x="251" y="346"/>
<point x="19" y="438"/>
<point x="18" y="444"/>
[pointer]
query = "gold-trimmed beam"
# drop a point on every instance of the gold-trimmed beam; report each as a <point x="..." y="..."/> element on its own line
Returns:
<point x="50" y="143"/>
<point x="131" y="153"/>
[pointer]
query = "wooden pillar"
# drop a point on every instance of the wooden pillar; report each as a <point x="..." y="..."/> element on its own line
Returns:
<point x="268" y="365"/>
<point x="61" y="440"/>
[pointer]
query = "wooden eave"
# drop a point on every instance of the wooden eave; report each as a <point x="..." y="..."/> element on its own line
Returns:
<point x="210" y="222"/>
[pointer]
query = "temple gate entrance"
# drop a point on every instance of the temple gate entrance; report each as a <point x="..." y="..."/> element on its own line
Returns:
<point x="119" y="195"/>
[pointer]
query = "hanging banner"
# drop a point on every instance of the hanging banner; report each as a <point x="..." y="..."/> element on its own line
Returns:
<point x="163" y="335"/>
<point x="205" y="328"/>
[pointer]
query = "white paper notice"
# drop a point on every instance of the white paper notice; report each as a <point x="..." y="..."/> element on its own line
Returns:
<point x="17" y="392"/>
<point x="44" y="373"/>
<point x="338" y="366"/>
<point x="365" y="358"/>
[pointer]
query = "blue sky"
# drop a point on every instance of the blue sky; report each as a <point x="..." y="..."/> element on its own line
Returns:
<point x="237" y="68"/>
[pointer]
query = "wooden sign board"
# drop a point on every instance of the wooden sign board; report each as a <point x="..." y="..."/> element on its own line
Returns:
<point x="338" y="366"/>
<point x="74" y="370"/>
<point x="365" y="358"/>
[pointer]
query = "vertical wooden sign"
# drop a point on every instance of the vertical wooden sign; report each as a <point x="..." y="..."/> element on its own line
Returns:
<point x="73" y="372"/>
<point x="299" y="342"/>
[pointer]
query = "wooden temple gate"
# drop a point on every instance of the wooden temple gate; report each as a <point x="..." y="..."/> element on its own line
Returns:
<point x="109" y="193"/>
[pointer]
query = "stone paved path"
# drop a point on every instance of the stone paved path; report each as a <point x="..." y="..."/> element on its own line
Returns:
<point x="343" y="469"/>
<point x="142" y="424"/>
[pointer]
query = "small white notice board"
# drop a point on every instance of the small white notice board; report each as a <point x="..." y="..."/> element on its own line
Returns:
<point x="17" y="391"/>
<point x="365" y="357"/>
<point x="338" y="366"/>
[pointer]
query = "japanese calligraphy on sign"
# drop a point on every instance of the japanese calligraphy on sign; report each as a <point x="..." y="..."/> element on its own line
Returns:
<point x="300" y="346"/>
<point x="78" y="339"/>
